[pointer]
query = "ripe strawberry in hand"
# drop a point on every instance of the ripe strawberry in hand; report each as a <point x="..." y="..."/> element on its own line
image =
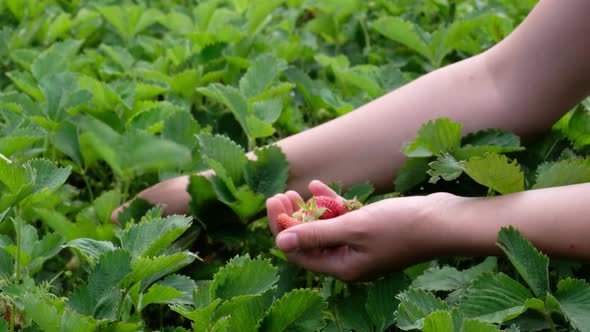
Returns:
<point x="285" y="221"/>
<point x="333" y="207"/>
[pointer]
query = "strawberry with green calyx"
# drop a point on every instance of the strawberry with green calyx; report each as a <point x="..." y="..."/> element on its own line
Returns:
<point x="285" y="221"/>
<point x="318" y="208"/>
<point x="325" y="207"/>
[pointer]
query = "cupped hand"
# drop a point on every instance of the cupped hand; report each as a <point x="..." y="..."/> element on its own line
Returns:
<point x="365" y="243"/>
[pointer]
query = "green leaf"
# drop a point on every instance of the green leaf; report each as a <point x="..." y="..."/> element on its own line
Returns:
<point x="149" y="269"/>
<point x="412" y="173"/>
<point x="263" y="71"/>
<point x="578" y="127"/>
<point x="43" y="250"/>
<point x="495" y="298"/>
<point x="134" y="151"/>
<point x="60" y="224"/>
<point x="435" y="137"/>
<point x="141" y="151"/>
<point x="61" y="93"/>
<point x="150" y="237"/>
<point x="105" y="204"/>
<point x="181" y="127"/>
<point x="244" y="276"/>
<point x="348" y="309"/>
<point x="201" y="317"/>
<point x="415" y="306"/>
<point x="179" y="22"/>
<point x="438" y="321"/>
<point x="573" y="296"/>
<point x="244" y="312"/>
<point x="99" y="297"/>
<point x="226" y="152"/>
<point x="474" y="325"/>
<point x="59" y="27"/>
<point x="71" y="321"/>
<point x="467" y="152"/>
<point x="496" y="172"/>
<point x="530" y="263"/>
<point x="563" y="173"/>
<point x="362" y="77"/>
<point x="360" y="191"/>
<point x="181" y="283"/>
<point x="381" y="303"/>
<point x="258" y="128"/>
<point x="134" y="212"/>
<point x="67" y="141"/>
<point x="492" y="137"/>
<point x="259" y="13"/>
<point x="448" y="278"/>
<point x="405" y="33"/>
<point x="41" y="312"/>
<point x="298" y="310"/>
<point x="232" y="98"/>
<point x="48" y="176"/>
<point x="445" y="167"/>
<point x="302" y="81"/>
<point x="91" y="249"/>
<point x="159" y="294"/>
<point x="26" y="83"/>
<point x="268" y="174"/>
<point x="48" y="64"/>
<point x="269" y="110"/>
<point x="129" y="20"/>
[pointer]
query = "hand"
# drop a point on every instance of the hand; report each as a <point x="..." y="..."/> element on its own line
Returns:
<point x="172" y="194"/>
<point x="364" y="243"/>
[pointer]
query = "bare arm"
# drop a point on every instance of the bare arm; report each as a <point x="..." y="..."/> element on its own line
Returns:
<point x="398" y="232"/>
<point x="556" y="220"/>
<point x="523" y="84"/>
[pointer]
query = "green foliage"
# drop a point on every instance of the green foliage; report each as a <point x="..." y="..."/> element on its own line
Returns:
<point x="101" y="99"/>
<point x="528" y="261"/>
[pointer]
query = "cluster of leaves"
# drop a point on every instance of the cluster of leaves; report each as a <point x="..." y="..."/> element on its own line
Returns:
<point x="480" y="299"/>
<point x="123" y="279"/>
<point x="99" y="99"/>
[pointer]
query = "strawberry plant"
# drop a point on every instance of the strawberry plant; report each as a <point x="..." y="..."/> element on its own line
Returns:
<point x="101" y="99"/>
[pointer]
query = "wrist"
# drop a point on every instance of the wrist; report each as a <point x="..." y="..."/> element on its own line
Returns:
<point x="461" y="226"/>
<point x="450" y="228"/>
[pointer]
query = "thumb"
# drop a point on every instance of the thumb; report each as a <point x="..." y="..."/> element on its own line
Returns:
<point x="318" y="234"/>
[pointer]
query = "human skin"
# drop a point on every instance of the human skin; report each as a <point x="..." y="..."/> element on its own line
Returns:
<point x="398" y="232"/>
<point x="523" y="84"/>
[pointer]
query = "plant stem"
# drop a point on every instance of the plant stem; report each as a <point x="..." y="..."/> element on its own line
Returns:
<point x="120" y="305"/>
<point x="363" y="24"/>
<point x="88" y="186"/>
<point x="550" y="320"/>
<point x="18" y="230"/>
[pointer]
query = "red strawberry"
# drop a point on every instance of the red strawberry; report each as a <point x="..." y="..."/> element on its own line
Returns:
<point x="285" y="221"/>
<point x="333" y="207"/>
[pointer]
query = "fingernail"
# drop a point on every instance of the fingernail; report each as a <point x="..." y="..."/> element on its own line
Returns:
<point x="288" y="242"/>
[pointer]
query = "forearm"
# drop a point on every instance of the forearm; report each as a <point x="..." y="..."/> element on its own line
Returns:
<point x="555" y="220"/>
<point x="523" y="84"/>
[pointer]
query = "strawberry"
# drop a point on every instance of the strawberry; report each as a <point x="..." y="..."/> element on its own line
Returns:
<point x="285" y="221"/>
<point x="333" y="207"/>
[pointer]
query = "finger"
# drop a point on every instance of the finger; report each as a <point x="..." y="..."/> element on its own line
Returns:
<point x="274" y="207"/>
<point x="286" y="201"/>
<point x="318" y="234"/>
<point x="295" y="199"/>
<point x="318" y="188"/>
<point x="339" y="262"/>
